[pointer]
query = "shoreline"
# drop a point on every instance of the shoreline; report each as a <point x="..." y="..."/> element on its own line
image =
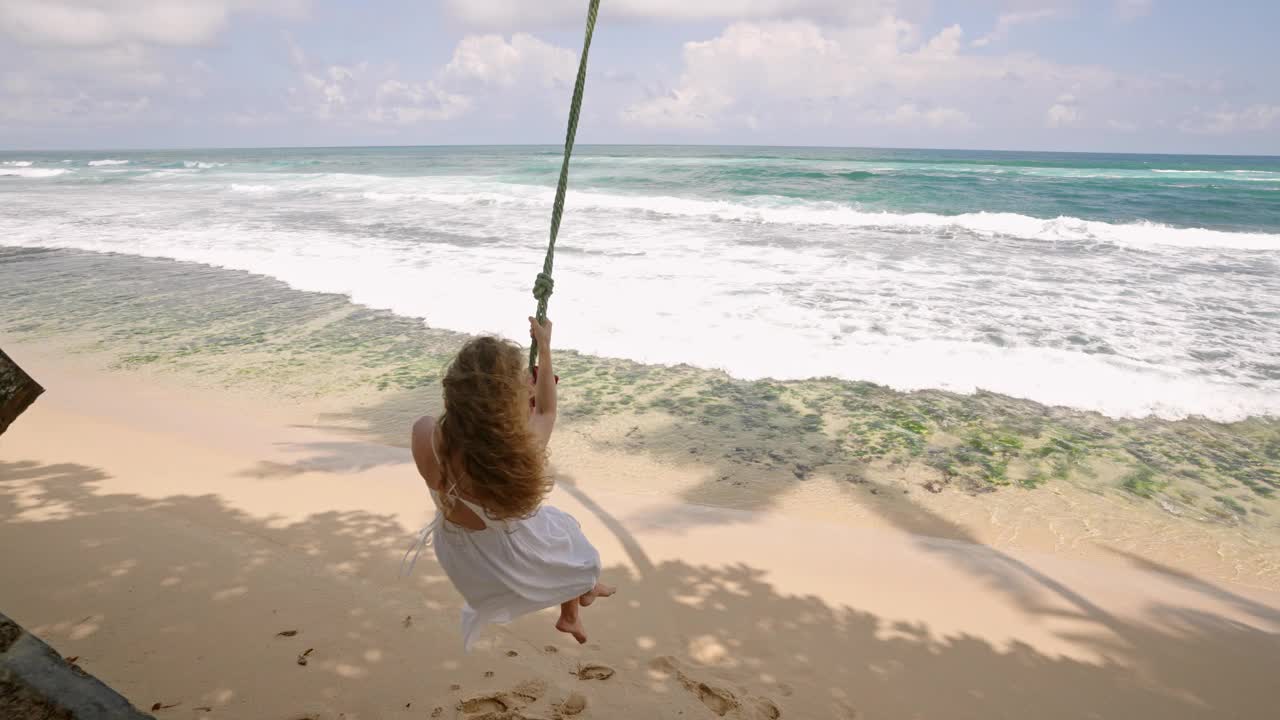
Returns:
<point x="648" y="456"/>
<point x="171" y="531"/>
<point x="1011" y="471"/>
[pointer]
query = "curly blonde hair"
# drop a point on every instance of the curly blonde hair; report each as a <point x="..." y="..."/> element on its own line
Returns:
<point x="487" y="448"/>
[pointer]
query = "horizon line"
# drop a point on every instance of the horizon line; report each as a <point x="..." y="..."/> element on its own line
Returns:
<point x="176" y="148"/>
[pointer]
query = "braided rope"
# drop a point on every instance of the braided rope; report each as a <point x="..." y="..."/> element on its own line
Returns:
<point x="544" y="285"/>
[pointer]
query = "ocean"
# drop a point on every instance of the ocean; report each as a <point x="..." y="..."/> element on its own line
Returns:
<point x="1132" y="285"/>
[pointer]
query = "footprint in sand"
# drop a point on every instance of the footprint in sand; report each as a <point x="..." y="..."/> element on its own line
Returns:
<point x="592" y="671"/>
<point x="572" y="705"/>
<point x="504" y="705"/>
<point x="718" y="699"/>
<point x="530" y="691"/>
<point x="766" y="709"/>
<point x="551" y="649"/>
<point x="490" y="707"/>
<point x="485" y="704"/>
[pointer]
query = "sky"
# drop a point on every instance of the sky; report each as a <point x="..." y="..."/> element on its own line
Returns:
<point x="1074" y="75"/>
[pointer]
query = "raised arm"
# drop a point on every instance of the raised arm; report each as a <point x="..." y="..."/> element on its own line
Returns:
<point x="544" y="390"/>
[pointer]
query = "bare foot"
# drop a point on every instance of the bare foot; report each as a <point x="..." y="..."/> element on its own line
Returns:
<point x="599" y="591"/>
<point x="573" y="627"/>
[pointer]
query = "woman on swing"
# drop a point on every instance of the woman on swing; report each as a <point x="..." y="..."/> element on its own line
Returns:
<point x="484" y="461"/>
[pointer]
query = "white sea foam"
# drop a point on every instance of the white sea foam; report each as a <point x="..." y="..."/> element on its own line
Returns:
<point x="1142" y="234"/>
<point x="249" y="189"/>
<point x="97" y="163"/>
<point x="16" y="163"/>
<point x="200" y="165"/>
<point x="766" y="287"/>
<point x="30" y="172"/>
<point x="786" y="211"/>
<point x="1231" y="175"/>
<point x="700" y="317"/>
<point x="771" y="210"/>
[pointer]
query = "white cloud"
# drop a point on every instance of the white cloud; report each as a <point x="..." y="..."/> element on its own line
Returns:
<point x="491" y="60"/>
<point x="523" y="13"/>
<point x="1063" y="113"/>
<point x="366" y="93"/>
<point x="796" y="73"/>
<point x="1008" y="21"/>
<point x="402" y="103"/>
<point x="98" y="63"/>
<point x="99" y="23"/>
<point x="683" y="109"/>
<point x="487" y="71"/>
<point x="773" y="62"/>
<point x="1255" y="118"/>
<point x="824" y="71"/>
<point x="97" y="86"/>
<point x="945" y="44"/>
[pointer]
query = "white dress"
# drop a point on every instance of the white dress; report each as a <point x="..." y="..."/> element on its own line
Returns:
<point x="511" y="567"/>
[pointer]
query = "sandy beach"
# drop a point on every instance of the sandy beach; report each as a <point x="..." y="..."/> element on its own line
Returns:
<point x="166" y="535"/>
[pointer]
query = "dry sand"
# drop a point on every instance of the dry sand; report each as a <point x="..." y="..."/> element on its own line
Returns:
<point x="166" y="535"/>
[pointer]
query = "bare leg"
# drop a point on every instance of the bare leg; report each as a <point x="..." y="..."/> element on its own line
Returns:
<point x="599" y="591"/>
<point x="570" y="622"/>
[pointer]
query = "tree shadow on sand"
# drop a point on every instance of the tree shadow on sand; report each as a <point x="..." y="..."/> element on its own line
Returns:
<point x="718" y="638"/>
<point x="328" y="456"/>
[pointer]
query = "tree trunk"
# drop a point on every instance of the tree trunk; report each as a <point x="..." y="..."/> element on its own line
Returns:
<point x="17" y="391"/>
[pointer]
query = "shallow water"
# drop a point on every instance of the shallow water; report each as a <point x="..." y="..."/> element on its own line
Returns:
<point x="1131" y="285"/>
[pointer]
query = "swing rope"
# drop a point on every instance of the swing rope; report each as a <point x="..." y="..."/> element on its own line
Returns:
<point x="543" y="285"/>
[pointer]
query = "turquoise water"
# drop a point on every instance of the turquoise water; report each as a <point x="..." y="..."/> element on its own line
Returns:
<point x="1216" y="192"/>
<point x="1129" y="284"/>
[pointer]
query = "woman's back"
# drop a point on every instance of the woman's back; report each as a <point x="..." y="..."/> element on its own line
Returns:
<point x="427" y="457"/>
